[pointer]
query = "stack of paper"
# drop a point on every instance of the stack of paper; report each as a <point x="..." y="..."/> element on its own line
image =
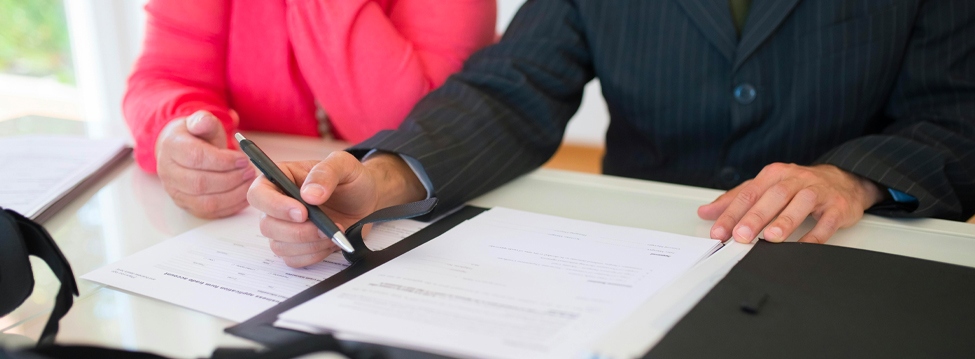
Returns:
<point x="226" y="268"/>
<point x="40" y="174"/>
<point x="505" y="284"/>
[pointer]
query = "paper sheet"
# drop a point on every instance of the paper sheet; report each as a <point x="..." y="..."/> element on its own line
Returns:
<point x="225" y="268"/>
<point x="506" y="284"/>
<point x="35" y="171"/>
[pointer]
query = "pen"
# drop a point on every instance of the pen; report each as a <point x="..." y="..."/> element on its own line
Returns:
<point x="274" y="174"/>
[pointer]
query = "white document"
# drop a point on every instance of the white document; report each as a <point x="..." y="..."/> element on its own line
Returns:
<point x="505" y="284"/>
<point x="225" y="268"/>
<point x="36" y="171"/>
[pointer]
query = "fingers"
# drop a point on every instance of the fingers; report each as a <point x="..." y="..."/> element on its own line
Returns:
<point x="194" y="153"/>
<point x="305" y="260"/>
<point x="714" y="209"/>
<point x="291" y="232"/>
<point x="207" y="127"/>
<point x="268" y="198"/>
<point x="338" y="168"/>
<point x="824" y="229"/>
<point x="738" y="206"/>
<point x="299" y="244"/>
<point x="288" y="249"/>
<point x="792" y="216"/>
<point x="772" y="202"/>
<point x="212" y="206"/>
<point x="196" y="182"/>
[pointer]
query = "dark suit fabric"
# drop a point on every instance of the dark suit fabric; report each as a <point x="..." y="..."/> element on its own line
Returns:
<point x="881" y="88"/>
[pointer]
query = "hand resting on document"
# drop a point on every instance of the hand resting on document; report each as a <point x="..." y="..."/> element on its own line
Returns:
<point x="345" y="189"/>
<point x="784" y="195"/>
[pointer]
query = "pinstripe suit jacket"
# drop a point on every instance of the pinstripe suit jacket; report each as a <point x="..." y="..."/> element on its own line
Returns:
<point x="881" y="88"/>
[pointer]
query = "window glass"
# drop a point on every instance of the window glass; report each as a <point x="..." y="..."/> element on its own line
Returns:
<point x="36" y="71"/>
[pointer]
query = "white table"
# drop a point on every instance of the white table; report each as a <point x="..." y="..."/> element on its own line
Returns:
<point x="128" y="211"/>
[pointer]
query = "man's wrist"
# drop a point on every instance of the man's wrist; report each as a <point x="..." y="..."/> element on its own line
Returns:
<point x="871" y="192"/>
<point x="396" y="183"/>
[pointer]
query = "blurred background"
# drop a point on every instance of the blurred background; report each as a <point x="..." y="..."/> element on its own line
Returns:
<point x="70" y="59"/>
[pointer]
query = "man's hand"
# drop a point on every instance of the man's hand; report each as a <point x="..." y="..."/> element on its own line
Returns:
<point x="344" y="188"/>
<point x="198" y="171"/>
<point x="787" y="194"/>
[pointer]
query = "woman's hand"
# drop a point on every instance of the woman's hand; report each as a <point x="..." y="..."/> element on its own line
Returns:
<point x="198" y="171"/>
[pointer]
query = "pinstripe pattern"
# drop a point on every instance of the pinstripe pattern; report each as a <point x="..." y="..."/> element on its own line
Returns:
<point x="882" y="88"/>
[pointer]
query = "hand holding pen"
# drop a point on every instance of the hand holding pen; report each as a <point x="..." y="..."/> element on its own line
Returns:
<point x="346" y="189"/>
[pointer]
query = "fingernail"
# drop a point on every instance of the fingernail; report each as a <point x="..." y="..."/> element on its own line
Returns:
<point x="774" y="233"/>
<point x="242" y="162"/>
<point x="744" y="233"/>
<point x="313" y="190"/>
<point x="322" y="234"/>
<point x="193" y="119"/>
<point x="295" y="214"/>
<point x="196" y="118"/>
<point x="718" y="233"/>
<point x="249" y="174"/>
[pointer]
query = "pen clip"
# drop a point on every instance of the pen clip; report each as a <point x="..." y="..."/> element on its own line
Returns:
<point x="403" y="211"/>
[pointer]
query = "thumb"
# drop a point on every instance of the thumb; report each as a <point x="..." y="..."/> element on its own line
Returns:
<point x="207" y="127"/>
<point x="338" y="168"/>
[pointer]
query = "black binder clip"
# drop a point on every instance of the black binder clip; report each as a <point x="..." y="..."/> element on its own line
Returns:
<point x="403" y="211"/>
<point x="754" y="303"/>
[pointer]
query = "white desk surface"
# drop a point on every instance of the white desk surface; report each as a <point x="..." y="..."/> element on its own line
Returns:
<point x="128" y="211"/>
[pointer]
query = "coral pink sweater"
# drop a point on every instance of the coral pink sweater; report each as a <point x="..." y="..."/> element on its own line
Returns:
<point x="261" y="65"/>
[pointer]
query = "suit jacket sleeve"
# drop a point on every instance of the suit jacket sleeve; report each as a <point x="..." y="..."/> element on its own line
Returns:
<point x="929" y="149"/>
<point x="505" y="113"/>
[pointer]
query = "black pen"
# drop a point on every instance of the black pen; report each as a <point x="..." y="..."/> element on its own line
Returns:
<point x="274" y="174"/>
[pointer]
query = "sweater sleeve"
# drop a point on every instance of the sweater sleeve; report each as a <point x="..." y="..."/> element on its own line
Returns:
<point x="180" y="71"/>
<point x="368" y="62"/>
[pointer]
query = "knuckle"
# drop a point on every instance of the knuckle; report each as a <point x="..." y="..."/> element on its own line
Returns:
<point x="207" y="205"/>
<point x="828" y="222"/>
<point x="805" y="174"/>
<point x="816" y="238"/>
<point x="747" y="197"/>
<point x="755" y="217"/>
<point x="341" y="156"/>
<point x="276" y="247"/>
<point x="807" y="194"/>
<point x="780" y="190"/>
<point x="726" y="219"/>
<point x="777" y="167"/>
<point x="195" y="156"/>
<point x="265" y="226"/>
<point x="787" y="222"/>
<point x="294" y="231"/>
<point x="196" y="183"/>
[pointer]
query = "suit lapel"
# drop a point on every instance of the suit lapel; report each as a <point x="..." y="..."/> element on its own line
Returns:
<point x="764" y="17"/>
<point x="713" y="17"/>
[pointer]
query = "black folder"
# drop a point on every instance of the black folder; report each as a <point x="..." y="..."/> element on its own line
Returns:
<point x="261" y="327"/>
<point x="799" y="300"/>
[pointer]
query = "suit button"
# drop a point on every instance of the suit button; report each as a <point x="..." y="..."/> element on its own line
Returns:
<point x="745" y="93"/>
<point x="729" y="177"/>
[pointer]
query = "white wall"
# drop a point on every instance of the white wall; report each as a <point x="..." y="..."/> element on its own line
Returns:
<point x="106" y="38"/>
<point x="588" y="126"/>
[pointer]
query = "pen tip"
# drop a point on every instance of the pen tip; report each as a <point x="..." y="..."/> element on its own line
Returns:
<point x="340" y="240"/>
<point x="239" y="137"/>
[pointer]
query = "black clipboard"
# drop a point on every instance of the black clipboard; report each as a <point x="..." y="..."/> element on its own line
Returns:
<point x="261" y="327"/>
<point x="802" y="300"/>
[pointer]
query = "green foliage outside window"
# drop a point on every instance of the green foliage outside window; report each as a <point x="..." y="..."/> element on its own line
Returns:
<point x="34" y="39"/>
